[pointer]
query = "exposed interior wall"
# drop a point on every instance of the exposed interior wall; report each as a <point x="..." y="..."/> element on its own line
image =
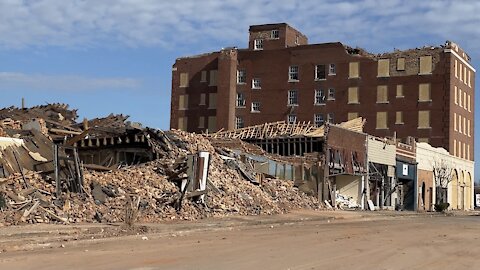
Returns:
<point x="350" y="186"/>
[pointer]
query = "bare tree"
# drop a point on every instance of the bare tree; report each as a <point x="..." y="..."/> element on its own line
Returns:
<point x="443" y="174"/>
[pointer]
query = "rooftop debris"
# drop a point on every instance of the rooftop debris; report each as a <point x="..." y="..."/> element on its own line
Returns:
<point x="57" y="170"/>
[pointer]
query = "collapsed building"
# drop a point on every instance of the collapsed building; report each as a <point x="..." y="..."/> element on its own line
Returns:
<point x="55" y="169"/>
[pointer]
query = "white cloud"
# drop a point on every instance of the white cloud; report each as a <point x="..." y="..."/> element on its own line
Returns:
<point x="20" y="81"/>
<point x="169" y="24"/>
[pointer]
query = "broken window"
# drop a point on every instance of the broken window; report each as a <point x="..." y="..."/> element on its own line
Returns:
<point x="319" y="97"/>
<point x="184" y="79"/>
<point x="241" y="76"/>
<point x="320" y="72"/>
<point x="425" y="64"/>
<point x="353" y="70"/>
<point x="424" y="92"/>
<point x="381" y="120"/>
<point x="255" y="106"/>
<point x="400" y="91"/>
<point x="239" y="122"/>
<point x="318" y="120"/>
<point x="331" y="94"/>
<point x="401" y="64"/>
<point x="382" y="94"/>
<point x="292" y="118"/>
<point x="256" y="83"/>
<point x="353" y="95"/>
<point x="383" y="69"/>
<point x="332" y="70"/>
<point x="293" y="73"/>
<point x="275" y="34"/>
<point x="240" y="101"/>
<point x="292" y="97"/>
<point x="258" y="44"/>
<point x="423" y="119"/>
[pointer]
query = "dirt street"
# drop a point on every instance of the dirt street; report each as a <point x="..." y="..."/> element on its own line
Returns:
<point x="300" y="240"/>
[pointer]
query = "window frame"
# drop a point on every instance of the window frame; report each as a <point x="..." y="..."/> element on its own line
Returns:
<point x="331" y="92"/>
<point x="330" y="68"/>
<point x="289" y="118"/>
<point x="239" y="122"/>
<point x="240" y="101"/>
<point x="320" y="121"/>
<point x="258" y="44"/>
<point x="275" y="34"/>
<point x="317" y="78"/>
<point x="241" y="76"/>
<point x="292" y="72"/>
<point x="255" y="107"/>
<point x="319" y="94"/>
<point x="292" y="100"/>
<point x="254" y="80"/>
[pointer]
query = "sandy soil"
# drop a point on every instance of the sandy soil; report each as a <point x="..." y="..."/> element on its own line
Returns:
<point x="300" y="240"/>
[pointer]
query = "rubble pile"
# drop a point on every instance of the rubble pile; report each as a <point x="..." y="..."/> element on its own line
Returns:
<point x="106" y="194"/>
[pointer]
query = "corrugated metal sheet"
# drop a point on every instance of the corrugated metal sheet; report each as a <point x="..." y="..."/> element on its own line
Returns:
<point x="381" y="152"/>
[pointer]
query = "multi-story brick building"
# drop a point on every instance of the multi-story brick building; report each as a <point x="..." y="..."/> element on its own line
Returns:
<point x="426" y="92"/>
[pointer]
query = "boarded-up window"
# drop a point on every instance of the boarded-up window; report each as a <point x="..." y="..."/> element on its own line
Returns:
<point x="455" y="121"/>
<point x="469" y="78"/>
<point x="213" y="77"/>
<point x="183" y="102"/>
<point x="400" y="90"/>
<point x="423" y="119"/>
<point x="459" y="123"/>
<point x="382" y="94"/>
<point x="201" y="122"/>
<point x="456" y="95"/>
<point x="212" y="101"/>
<point x="182" y="123"/>
<point x="381" y="120"/>
<point x="203" y="99"/>
<point x="353" y="95"/>
<point x="424" y="92"/>
<point x="352" y="115"/>
<point x="204" y="76"/>
<point x="353" y="71"/>
<point x="184" y="79"/>
<point x="456" y="68"/>
<point x="401" y="64"/>
<point x="468" y="100"/>
<point x="383" y="68"/>
<point x="212" y="123"/>
<point x="468" y="128"/>
<point x="399" y="118"/>
<point x="426" y="64"/>
<point x="460" y="97"/>
<point x="454" y="147"/>
<point x="460" y="69"/>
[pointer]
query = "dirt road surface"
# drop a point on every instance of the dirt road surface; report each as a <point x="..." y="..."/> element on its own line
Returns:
<point x="300" y="240"/>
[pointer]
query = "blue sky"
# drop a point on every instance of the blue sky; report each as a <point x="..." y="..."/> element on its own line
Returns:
<point x="104" y="56"/>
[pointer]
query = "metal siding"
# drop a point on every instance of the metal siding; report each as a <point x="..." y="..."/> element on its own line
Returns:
<point x="377" y="153"/>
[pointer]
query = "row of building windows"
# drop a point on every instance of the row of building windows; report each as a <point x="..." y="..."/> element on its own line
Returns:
<point x="462" y="99"/>
<point x="184" y="78"/>
<point x="381" y="119"/>
<point x="462" y="73"/>
<point x="461" y="150"/>
<point x="461" y="124"/>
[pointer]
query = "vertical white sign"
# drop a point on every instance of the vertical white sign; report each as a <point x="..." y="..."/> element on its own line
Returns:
<point x="405" y="169"/>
